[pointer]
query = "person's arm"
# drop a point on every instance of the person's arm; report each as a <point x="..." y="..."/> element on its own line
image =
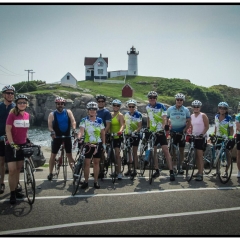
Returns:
<point x="206" y="123"/>
<point x="81" y="132"/>
<point x="72" y="119"/>
<point x="164" y="118"/>
<point x="103" y="136"/>
<point x="148" y="123"/>
<point x="188" y="124"/>
<point x="50" y="120"/>
<point x="237" y="126"/>
<point x="9" y="133"/>
<point x="231" y="131"/>
<point x="107" y="129"/>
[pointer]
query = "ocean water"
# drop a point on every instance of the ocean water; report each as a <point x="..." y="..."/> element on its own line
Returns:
<point x="41" y="136"/>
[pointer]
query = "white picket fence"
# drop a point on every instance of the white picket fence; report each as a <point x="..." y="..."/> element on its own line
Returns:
<point x="110" y="81"/>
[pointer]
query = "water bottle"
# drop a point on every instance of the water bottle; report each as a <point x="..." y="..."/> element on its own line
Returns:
<point x="147" y="155"/>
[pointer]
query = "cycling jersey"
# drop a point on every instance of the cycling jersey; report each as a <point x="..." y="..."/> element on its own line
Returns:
<point x="92" y="130"/>
<point x="222" y="128"/>
<point x="61" y="123"/>
<point x="4" y="111"/>
<point x="105" y="115"/>
<point x="237" y="119"/>
<point x="20" y="125"/>
<point x="131" y="121"/>
<point x="155" y="116"/>
<point x="178" y="117"/>
<point x="115" y="126"/>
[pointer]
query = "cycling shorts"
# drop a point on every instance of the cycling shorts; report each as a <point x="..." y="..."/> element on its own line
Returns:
<point x="177" y="139"/>
<point x="117" y="142"/>
<point x="90" y="153"/>
<point x="200" y="144"/>
<point x="57" y="142"/>
<point x="161" y="139"/>
<point x="238" y="141"/>
<point x="135" y="141"/>
<point x="9" y="154"/>
<point x="2" y="149"/>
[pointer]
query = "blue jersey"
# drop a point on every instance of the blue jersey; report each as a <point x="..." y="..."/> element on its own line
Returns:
<point x="4" y="111"/>
<point x="105" y="115"/>
<point x="61" y="123"/>
<point x="178" y="117"/>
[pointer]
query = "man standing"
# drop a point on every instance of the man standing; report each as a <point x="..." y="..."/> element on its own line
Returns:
<point x="5" y="107"/>
<point x="156" y="122"/>
<point x="180" y="122"/>
<point x="59" y="124"/>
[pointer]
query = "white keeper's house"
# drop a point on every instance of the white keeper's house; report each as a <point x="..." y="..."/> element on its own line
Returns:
<point x="69" y="80"/>
<point x="96" y="67"/>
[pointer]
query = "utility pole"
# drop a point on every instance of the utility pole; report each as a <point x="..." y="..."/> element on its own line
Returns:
<point x="32" y="74"/>
<point x="28" y="77"/>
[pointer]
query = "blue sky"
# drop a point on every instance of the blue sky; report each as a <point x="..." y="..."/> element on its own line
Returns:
<point x="196" y="42"/>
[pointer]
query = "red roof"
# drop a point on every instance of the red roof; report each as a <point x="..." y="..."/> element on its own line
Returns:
<point x="91" y="60"/>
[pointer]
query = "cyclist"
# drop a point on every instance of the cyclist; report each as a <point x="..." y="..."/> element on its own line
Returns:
<point x="92" y="128"/>
<point x="156" y="121"/>
<point x="59" y="123"/>
<point x="117" y="126"/>
<point x="5" y="107"/>
<point x="133" y="124"/>
<point x="17" y="125"/>
<point x="237" y="119"/>
<point x="200" y="126"/>
<point x="223" y="127"/>
<point x="180" y="122"/>
<point x="103" y="113"/>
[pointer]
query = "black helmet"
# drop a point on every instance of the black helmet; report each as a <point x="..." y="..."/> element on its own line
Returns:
<point x="99" y="96"/>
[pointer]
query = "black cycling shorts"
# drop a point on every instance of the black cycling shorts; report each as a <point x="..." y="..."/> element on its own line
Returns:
<point x="2" y="149"/>
<point x="134" y="141"/>
<point x="200" y="144"/>
<point x="56" y="143"/>
<point x="117" y="142"/>
<point x="9" y="154"/>
<point x="177" y="139"/>
<point x="238" y="141"/>
<point x="90" y="153"/>
<point x="161" y="139"/>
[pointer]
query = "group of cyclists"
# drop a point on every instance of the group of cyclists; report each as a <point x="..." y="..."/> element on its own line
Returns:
<point x="98" y="123"/>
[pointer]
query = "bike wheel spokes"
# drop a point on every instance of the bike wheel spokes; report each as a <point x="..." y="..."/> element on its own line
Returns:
<point x="77" y="174"/>
<point x="151" y="165"/>
<point x="64" y="165"/>
<point x="207" y="161"/>
<point x="225" y="167"/>
<point x="113" y="166"/>
<point x="141" y="165"/>
<point x="161" y="159"/>
<point x="29" y="182"/>
<point x="190" y="165"/>
<point x="56" y="168"/>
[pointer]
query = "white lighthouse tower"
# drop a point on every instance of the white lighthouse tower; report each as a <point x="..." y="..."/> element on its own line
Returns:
<point x="132" y="61"/>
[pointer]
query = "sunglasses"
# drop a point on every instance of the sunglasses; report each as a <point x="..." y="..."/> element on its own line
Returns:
<point x="22" y="103"/>
<point x="131" y="106"/>
<point x="152" y="98"/>
<point x="92" y="109"/>
<point x="101" y="101"/>
<point x="9" y="93"/>
<point x="196" y="106"/>
<point x="179" y="100"/>
<point x="60" y="104"/>
<point x="114" y="105"/>
<point x="222" y="108"/>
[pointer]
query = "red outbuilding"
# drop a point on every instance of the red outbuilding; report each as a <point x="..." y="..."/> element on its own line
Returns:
<point x="127" y="91"/>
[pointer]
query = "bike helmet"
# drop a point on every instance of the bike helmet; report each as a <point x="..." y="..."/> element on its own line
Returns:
<point x="92" y="105"/>
<point x="8" y="87"/>
<point x="21" y="96"/>
<point x="99" y="96"/>
<point x="152" y="94"/>
<point x="196" y="103"/>
<point x="131" y="101"/>
<point x="116" y="101"/>
<point x="223" y="104"/>
<point x="180" y="96"/>
<point x="59" y="100"/>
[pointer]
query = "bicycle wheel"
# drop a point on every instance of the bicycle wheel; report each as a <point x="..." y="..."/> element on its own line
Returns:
<point x="161" y="159"/>
<point x="113" y="165"/>
<point x="141" y="162"/>
<point x="224" y="167"/>
<point x="151" y="166"/>
<point x="132" y="167"/>
<point x="190" y="165"/>
<point x="56" y="168"/>
<point x="123" y="159"/>
<point x="207" y="161"/>
<point x="64" y="165"/>
<point x="29" y="181"/>
<point x="175" y="154"/>
<point x="78" y="169"/>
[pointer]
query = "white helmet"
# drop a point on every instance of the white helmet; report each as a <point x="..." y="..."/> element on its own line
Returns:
<point x="152" y="94"/>
<point x="223" y="104"/>
<point x="21" y="96"/>
<point x="8" y="87"/>
<point x="60" y="99"/>
<point x="131" y="101"/>
<point x="92" y="105"/>
<point x="180" y="96"/>
<point x="116" y="101"/>
<point x="196" y="103"/>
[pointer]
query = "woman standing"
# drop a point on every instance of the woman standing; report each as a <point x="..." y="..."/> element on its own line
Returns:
<point x="92" y="128"/>
<point x="17" y="125"/>
<point x="200" y="126"/>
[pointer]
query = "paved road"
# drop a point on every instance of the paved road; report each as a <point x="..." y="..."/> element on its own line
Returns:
<point x="126" y="208"/>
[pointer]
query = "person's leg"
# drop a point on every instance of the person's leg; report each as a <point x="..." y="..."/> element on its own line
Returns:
<point x="2" y="169"/>
<point x="70" y="160"/>
<point x="96" y="168"/>
<point x="19" y="168"/>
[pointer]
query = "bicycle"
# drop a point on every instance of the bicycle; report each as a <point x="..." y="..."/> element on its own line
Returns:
<point x="61" y="160"/>
<point x="78" y="167"/>
<point x="128" y="153"/>
<point x="174" y="150"/>
<point x="190" y="160"/>
<point x="218" y="158"/>
<point x="29" y="169"/>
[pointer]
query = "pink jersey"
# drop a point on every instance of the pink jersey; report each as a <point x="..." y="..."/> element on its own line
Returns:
<point x="20" y="125"/>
